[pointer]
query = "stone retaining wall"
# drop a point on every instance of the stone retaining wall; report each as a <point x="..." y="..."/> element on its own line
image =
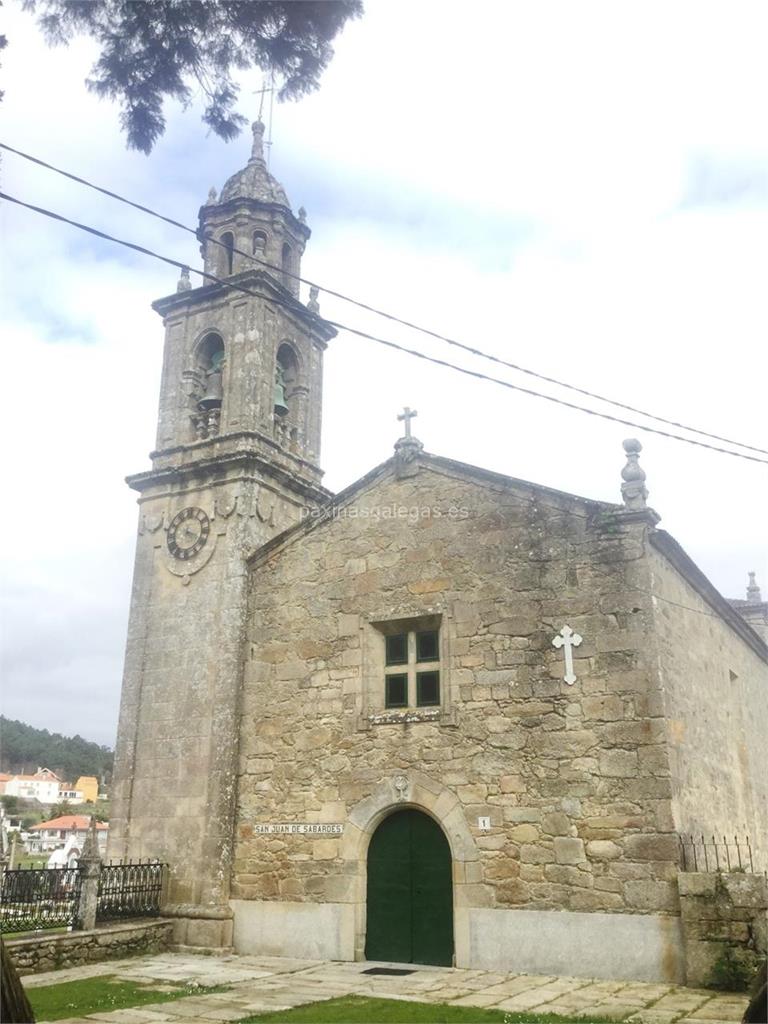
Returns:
<point x="725" y="921"/>
<point x="49" y="952"/>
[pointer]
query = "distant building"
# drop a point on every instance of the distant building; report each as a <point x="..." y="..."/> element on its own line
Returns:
<point x="44" y="786"/>
<point x="88" y="787"/>
<point x="47" y="787"/>
<point x="50" y="835"/>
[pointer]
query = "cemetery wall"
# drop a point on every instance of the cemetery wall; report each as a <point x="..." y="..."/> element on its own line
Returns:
<point x="725" y="927"/>
<point x="112" y="942"/>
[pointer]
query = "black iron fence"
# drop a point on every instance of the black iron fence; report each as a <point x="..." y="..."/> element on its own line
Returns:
<point x="35" y="898"/>
<point x="715" y="853"/>
<point x="133" y="889"/>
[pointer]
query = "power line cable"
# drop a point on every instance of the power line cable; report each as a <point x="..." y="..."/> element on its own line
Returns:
<point x="378" y="312"/>
<point x="295" y="305"/>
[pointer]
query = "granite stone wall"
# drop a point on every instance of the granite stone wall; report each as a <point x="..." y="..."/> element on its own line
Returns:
<point x="725" y="925"/>
<point x="715" y="690"/>
<point x="113" y="942"/>
<point x="574" y="779"/>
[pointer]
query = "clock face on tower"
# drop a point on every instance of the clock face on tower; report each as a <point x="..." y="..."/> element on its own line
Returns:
<point x="188" y="533"/>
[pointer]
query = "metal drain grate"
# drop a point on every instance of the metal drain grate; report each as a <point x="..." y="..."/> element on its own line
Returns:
<point x="387" y="970"/>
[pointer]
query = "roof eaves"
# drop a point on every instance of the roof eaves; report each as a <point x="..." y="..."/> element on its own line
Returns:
<point x="666" y="544"/>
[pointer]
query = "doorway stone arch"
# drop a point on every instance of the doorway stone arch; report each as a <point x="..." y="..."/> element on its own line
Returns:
<point x="418" y="791"/>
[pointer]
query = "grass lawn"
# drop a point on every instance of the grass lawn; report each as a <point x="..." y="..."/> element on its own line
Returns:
<point x="31" y="860"/>
<point x="361" y="1010"/>
<point x="91" y="995"/>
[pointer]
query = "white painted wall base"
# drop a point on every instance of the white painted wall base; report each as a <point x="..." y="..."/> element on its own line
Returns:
<point x="308" y="931"/>
<point x="631" y="947"/>
<point x="622" y="947"/>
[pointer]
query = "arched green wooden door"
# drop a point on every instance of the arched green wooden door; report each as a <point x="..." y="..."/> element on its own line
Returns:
<point x="410" y="892"/>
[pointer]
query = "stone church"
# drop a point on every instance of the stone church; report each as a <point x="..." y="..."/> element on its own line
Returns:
<point x="445" y="716"/>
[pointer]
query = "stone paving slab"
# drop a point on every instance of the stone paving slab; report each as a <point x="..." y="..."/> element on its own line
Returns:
<point x="654" y="1017"/>
<point x="73" y="973"/>
<point x="261" y="984"/>
<point x="719" y="1009"/>
<point x="130" y="1015"/>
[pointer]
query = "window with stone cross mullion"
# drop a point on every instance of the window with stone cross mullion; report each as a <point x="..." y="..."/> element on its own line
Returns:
<point x="412" y="669"/>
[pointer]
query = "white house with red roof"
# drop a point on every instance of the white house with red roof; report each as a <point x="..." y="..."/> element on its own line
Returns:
<point x="44" y="786"/>
<point x="50" y="835"/>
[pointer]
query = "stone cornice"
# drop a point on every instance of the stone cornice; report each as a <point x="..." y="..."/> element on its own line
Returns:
<point x="633" y="515"/>
<point x="216" y="466"/>
<point x="270" y="290"/>
<point x="232" y="206"/>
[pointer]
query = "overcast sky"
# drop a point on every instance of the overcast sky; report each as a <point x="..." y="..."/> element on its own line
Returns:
<point x="579" y="188"/>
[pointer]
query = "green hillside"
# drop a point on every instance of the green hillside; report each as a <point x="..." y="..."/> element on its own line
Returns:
<point x="23" y="748"/>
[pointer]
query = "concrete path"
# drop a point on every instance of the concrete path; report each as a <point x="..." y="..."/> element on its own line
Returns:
<point x="259" y="984"/>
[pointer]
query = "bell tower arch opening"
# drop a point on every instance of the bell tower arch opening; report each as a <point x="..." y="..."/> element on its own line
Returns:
<point x="259" y="244"/>
<point x="228" y="252"/>
<point x="209" y="392"/>
<point x="289" y="398"/>
<point x="287" y="265"/>
<point x="409" y="906"/>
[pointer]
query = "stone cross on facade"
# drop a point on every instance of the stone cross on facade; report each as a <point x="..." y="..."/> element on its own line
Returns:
<point x="567" y="639"/>
<point x="407" y="415"/>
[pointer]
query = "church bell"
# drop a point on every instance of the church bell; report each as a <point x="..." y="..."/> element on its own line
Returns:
<point x="213" y="391"/>
<point x="281" y="408"/>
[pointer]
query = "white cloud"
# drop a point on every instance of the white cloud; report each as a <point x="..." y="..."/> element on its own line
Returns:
<point x="576" y="188"/>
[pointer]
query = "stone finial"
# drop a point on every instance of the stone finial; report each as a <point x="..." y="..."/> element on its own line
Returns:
<point x="89" y="863"/>
<point x="633" y="490"/>
<point x="184" y="284"/>
<point x="91" y="844"/>
<point x="302" y="215"/>
<point x="211" y="195"/>
<point x="257" y="150"/>
<point x="753" y="590"/>
<point x="313" y="305"/>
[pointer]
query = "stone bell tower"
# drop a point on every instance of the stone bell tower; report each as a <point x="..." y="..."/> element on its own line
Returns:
<point x="236" y="462"/>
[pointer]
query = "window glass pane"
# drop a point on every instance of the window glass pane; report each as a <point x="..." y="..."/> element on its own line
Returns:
<point x="426" y="646"/>
<point x="427" y="688"/>
<point x="396" y="691"/>
<point x="397" y="649"/>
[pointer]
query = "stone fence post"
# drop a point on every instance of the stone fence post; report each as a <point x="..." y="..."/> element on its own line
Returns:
<point x="89" y="866"/>
<point x="725" y="926"/>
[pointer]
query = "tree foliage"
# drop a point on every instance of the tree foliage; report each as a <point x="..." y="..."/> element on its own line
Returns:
<point x="69" y="756"/>
<point x="152" y="51"/>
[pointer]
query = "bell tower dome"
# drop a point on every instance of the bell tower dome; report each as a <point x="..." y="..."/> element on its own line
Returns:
<point x="236" y="462"/>
<point x="254" y="224"/>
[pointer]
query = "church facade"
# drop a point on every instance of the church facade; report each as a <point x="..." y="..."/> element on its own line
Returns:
<point x="445" y="716"/>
